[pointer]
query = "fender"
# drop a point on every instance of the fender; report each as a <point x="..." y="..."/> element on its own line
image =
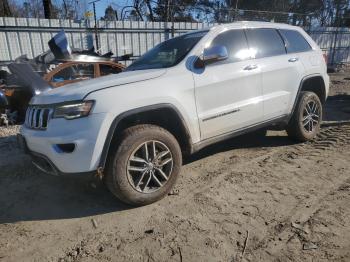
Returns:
<point x="120" y="117"/>
<point x="299" y="90"/>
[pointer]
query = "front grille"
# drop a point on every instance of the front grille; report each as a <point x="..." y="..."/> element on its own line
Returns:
<point x="38" y="117"/>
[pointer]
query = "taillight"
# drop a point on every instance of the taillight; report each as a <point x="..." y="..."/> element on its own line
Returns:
<point x="325" y="57"/>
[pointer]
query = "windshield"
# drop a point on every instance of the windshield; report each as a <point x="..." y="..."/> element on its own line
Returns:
<point x="168" y="53"/>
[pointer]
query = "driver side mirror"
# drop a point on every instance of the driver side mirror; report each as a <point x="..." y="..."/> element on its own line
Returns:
<point x="214" y="54"/>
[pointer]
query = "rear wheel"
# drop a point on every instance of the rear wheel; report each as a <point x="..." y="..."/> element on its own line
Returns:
<point x="145" y="166"/>
<point x="306" y="120"/>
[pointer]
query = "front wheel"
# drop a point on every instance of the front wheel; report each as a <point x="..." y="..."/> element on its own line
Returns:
<point x="306" y="120"/>
<point x="145" y="166"/>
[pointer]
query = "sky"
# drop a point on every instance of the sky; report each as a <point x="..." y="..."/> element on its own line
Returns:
<point x="100" y="6"/>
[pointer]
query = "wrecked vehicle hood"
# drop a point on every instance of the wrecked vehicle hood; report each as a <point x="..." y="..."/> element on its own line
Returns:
<point x="29" y="79"/>
<point x="79" y="90"/>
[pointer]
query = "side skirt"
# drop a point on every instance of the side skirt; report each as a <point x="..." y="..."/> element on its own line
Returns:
<point x="283" y="120"/>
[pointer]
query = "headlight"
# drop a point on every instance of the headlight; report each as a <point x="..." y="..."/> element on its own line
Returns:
<point x="72" y="110"/>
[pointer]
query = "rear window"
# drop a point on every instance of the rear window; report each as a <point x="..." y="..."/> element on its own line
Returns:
<point x="265" y="42"/>
<point x="295" y="42"/>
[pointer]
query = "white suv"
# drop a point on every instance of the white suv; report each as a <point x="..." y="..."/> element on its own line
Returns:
<point x="182" y="95"/>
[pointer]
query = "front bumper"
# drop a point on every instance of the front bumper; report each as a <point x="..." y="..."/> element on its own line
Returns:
<point x="87" y="134"/>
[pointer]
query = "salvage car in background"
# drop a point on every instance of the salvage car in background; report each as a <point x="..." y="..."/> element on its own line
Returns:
<point x="55" y="68"/>
<point x="28" y="83"/>
<point x="75" y="71"/>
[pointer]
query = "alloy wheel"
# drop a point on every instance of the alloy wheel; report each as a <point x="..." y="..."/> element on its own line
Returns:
<point x="311" y="116"/>
<point x="149" y="166"/>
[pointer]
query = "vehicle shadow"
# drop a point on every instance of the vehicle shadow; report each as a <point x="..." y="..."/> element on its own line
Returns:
<point x="27" y="194"/>
<point x="251" y="140"/>
<point x="337" y="108"/>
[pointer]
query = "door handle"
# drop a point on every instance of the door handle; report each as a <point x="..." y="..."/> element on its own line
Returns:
<point x="294" y="59"/>
<point x="250" y="67"/>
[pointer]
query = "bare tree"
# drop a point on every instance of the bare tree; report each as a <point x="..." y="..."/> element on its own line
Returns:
<point x="150" y="9"/>
<point x="5" y="8"/>
<point x="47" y="9"/>
<point x="110" y="14"/>
<point x="70" y="9"/>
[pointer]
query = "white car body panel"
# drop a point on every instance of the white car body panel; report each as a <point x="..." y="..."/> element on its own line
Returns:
<point x="214" y="101"/>
<point x="79" y="90"/>
<point x="280" y="81"/>
<point x="228" y="98"/>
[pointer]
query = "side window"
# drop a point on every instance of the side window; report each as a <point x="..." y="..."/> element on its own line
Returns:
<point x="265" y="42"/>
<point x="236" y="44"/>
<point x="106" y="69"/>
<point x="295" y="41"/>
<point x="74" y="72"/>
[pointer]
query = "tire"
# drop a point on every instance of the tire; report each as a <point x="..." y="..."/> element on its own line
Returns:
<point x="301" y="129"/>
<point x="131" y="178"/>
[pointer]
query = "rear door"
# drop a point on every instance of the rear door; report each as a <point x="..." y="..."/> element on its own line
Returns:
<point x="281" y="72"/>
<point x="229" y="93"/>
<point x="308" y="61"/>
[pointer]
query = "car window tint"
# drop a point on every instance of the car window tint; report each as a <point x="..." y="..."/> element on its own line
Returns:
<point x="75" y="72"/>
<point x="168" y="53"/>
<point x="265" y="42"/>
<point x="295" y="42"/>
<point x="235" y="43"/>
<point x="109" y="69"/>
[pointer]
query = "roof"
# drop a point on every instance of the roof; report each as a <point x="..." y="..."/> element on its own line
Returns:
<point x="253" y="24"/>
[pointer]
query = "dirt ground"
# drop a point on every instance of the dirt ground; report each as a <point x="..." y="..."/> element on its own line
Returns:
<point x="247" y="199"/>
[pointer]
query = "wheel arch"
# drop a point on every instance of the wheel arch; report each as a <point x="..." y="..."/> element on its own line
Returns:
<point x="314" y="83"/>
<point x="170" y="119"/>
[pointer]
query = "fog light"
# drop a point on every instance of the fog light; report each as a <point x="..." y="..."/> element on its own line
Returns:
<point x="64" y="148"/>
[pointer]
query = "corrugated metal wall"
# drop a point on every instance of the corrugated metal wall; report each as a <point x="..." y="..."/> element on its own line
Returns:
<point x="29" y="36"/>
<point x="334" y="41"/>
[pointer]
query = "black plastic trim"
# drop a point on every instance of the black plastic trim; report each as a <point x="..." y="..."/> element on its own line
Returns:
<point x="120" y="117"/>
<point x="299" y="90"/>
<point x="222" y="114"/>
<point x="209" y="141"/>
<point x="54" y="170"/>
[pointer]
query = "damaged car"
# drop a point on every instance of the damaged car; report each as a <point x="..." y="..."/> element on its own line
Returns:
<point x="55" y="68"/>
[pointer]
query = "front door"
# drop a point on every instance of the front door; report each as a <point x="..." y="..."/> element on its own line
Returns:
<point x="229" y="93"/>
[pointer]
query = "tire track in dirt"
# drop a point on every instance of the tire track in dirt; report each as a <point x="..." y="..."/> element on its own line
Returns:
<point x="330" y="139"/>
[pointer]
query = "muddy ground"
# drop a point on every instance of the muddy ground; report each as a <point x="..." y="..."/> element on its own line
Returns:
<point x="246" y="199"/>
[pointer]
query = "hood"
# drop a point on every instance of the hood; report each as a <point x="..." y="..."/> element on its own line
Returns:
<point x="79" y="90"/>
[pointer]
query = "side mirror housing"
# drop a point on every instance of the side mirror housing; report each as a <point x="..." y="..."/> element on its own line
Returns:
<point x="214" y="54"/>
